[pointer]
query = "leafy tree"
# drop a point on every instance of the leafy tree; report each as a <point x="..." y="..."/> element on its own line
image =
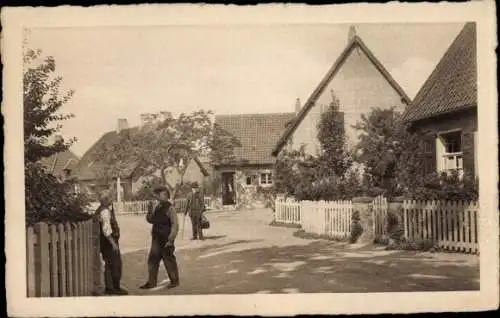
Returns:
<point x="164" y="144"/>
<point x="334" y="159"/>
<point x="46" y="198"/>
<point x="42" y="102"/>
<point x="383" y="140"/>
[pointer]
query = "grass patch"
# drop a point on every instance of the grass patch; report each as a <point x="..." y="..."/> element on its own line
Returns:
<point x="311" y="236"/>
<point x="288" y="225"/>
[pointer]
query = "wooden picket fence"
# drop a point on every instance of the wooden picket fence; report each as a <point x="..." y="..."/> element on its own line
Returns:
<point x="380" y="208"/>
<point x="329" y="218"/>
<point x="141" y="207"/>
<point x="452" y="225"/>
<point x="287" y="212"/>
<point x="60" y="259"/>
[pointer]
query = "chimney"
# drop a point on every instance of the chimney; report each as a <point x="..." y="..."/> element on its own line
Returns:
<point x="121" y="125"/>
<point x="297" y="105"/>
<point x="351" y="34"/>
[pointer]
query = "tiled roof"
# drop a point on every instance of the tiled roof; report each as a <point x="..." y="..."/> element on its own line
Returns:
<point x="56" y="163"/>
<point x="355" y="42"/>
<point x="88" y="167"/>
<point x="257" y="134"/>
<point x="452" y="86"/>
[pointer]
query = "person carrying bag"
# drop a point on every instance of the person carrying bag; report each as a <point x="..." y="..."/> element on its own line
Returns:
<point x="196" y="207"/>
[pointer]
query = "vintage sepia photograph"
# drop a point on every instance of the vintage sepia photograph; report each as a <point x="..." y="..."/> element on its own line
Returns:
<point x="264" y="159"/>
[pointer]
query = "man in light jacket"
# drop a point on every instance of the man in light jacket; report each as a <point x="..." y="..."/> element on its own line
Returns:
<point x="110" y="248"/>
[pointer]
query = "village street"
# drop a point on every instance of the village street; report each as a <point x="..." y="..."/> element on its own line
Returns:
<point x="243" y="254"/>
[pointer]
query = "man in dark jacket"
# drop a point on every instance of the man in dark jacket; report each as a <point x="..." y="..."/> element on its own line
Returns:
<point x="195" y="207"/>
<point x="110" y="248"/>
<point x="163" y="234"/>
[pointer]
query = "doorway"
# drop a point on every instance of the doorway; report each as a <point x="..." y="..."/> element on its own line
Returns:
<point x="228" y="191"/>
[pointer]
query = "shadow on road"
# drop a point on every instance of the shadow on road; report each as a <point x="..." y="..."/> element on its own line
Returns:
<point x="213" y="237"/>
<point x="318" y="267"/>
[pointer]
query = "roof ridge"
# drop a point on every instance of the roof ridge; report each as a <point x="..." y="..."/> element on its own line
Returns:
<point x="254" y="114"/>
<point x="330" y="74"/>
<point x="431" y="82"/>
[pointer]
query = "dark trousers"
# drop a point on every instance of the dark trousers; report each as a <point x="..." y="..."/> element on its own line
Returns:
<point x="112" y="265"/>
<point x="160" y="252"/>
<point x="196" y="224"/>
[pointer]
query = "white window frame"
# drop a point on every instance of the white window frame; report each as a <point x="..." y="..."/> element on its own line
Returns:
<point x="251" y="181"/>
<point x="443" y="157"/>
<point x="268" y="178"/>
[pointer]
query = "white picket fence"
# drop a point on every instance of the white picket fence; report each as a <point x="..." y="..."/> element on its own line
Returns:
<point x="287" y="212"/>
<point x="141" y="207"/>
<point x="132" y="207"/>
<point x="329" y="218"/>
<point x="452" y="225"/>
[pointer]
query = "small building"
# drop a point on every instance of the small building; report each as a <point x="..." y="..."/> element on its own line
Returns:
<point x="359" y="81"/>
<point x="247" y="180"/>
<point x="91" y="177"/>
<point x="61" y="165"/>
<point x="445" y="108"/>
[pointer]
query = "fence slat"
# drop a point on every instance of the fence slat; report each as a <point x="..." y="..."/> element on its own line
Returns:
<point x="87" y="267"/>
<point x="54" y="283"/>
<point x="69" y="260"/>
<point x="63" y="288"/>
<point x="30" y="262"/>
<point x="79" y="254"/>
<point x="43" y="258"/>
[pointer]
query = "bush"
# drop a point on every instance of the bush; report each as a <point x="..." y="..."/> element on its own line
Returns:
<point x="356" y="228"/>
<point x="447" y="187"/>
<point x="49" y="200"/>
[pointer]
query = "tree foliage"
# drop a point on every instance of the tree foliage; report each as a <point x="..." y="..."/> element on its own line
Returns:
<point x="46" y="198"/>
<point x="42" y="102"/>
<point x="334" y="160"/>
<point x="394" y="159"/>
<point x="163" y="144"/>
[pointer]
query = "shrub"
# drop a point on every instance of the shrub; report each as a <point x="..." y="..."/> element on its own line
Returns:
<point x="447" y="187"/>
<point x="49" y="200"/>
<point x="356" y="228"/>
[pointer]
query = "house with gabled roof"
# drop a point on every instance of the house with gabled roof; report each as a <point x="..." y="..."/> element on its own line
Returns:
<point x="445" y="108"/>
<point x="244" y="181"/>
<point x="61" y="165"/>
<point x="359" y="81"/>
<point x="89" y="170"/>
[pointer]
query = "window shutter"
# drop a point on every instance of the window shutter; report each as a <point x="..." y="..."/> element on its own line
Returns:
<point x="468" y="152"/>
<point x="438" y="154"/>
<point x="430" y="143"/>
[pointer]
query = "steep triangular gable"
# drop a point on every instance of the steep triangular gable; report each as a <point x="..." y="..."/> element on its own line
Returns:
<point x="354" y="43"/>
<point x="452" y="85"/>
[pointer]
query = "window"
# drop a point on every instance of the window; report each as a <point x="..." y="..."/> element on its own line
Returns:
<point x="450" y="155"/>
<point x="249" y="181"/>
<point x="266" y="178"/>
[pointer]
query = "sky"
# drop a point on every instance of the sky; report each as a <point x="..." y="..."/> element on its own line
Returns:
<point x="121" y="72"/>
